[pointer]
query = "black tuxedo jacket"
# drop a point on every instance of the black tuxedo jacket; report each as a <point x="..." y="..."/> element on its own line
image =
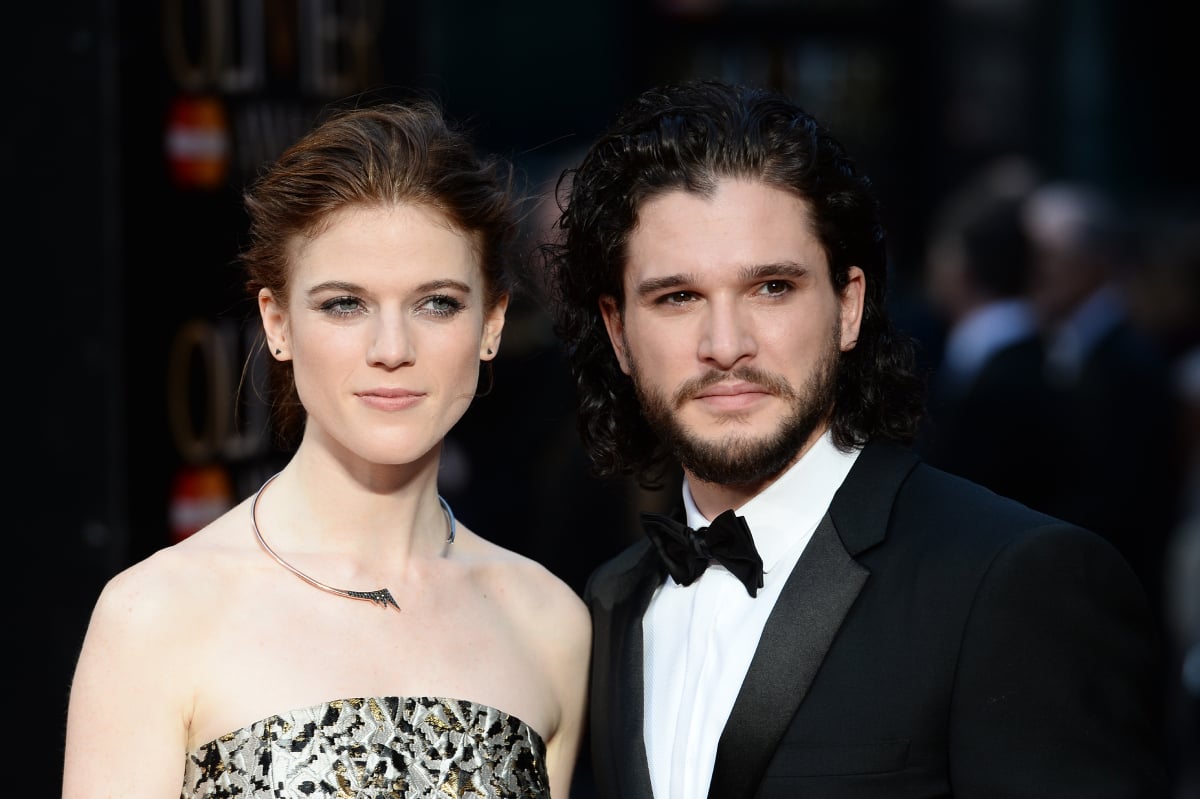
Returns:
<point x="934" y="640"/>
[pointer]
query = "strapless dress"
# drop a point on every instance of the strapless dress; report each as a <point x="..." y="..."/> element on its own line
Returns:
<point x="374" y="748"/>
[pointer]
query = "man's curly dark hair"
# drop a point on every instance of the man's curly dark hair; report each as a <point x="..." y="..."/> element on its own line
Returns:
<point x="686" y="137"/>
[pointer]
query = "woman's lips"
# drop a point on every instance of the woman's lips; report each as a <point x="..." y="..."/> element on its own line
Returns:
<point x="390" y="399"/>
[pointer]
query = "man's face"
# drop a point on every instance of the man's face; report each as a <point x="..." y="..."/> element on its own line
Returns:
<point x="732" y="329"/>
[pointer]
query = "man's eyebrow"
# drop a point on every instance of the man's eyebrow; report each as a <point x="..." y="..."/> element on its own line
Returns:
<point x="778" y="269"/>
<point x="656" y="284"/>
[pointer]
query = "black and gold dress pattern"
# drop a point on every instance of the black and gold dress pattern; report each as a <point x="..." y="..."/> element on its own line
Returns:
<point x="374" y="748"/>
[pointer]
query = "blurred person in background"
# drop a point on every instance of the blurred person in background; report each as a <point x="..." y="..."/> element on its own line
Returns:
<point x="1119" y="468"/>
<point x="340" y="633"/>
<point x="1182" y="580"/>
<point x="1167" y="302"/>
<point x="991" y="413"/>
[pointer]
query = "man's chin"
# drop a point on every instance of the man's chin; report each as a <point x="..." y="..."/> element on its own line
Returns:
<point x="732" y="462"/>
<point x="750" y="476"/>
<point x="736" y="439"/>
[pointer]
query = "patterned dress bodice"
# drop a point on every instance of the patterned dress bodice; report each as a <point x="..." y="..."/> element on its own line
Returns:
<point x="374" y="748"/>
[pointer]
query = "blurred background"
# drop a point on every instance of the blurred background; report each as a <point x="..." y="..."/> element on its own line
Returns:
<point x="130" y="130"/>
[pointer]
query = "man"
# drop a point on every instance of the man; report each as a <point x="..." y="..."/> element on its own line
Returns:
<point x="990" y="404"/>
<point x="1121" y="471"/>
<point x="720" y="285"/>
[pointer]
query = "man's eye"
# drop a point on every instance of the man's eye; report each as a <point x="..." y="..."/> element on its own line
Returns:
<point x="676" y="298"/>
<point x="776" y="287"/>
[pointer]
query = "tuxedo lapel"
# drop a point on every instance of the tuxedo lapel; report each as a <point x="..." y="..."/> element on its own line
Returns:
<point x="818" y="594"/>
<point x="618" y="600"/>
<point x="862" y="506"/>
<point x="811" y="608"/>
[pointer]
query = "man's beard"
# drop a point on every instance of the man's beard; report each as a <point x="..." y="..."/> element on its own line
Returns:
<point x="737" y="459"/>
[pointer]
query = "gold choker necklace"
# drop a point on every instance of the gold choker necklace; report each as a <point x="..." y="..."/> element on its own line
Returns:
<point x="381" y="597"/>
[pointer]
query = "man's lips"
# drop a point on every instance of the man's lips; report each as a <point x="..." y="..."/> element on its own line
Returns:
<point x="731" y="396"/>
<point x="730" y="390"/>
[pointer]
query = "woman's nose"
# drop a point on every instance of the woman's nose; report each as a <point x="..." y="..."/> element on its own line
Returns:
<point x="391" y="342"/>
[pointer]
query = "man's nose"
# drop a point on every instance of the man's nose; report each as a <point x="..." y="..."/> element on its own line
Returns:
<point x="727" y="334"/>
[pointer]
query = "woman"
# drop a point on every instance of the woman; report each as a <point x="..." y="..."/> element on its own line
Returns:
<point x="339" y="633"/>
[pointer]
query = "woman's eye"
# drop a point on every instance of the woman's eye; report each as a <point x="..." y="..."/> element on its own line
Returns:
<point x="442" y="305"/>
<point x="341" y="306"/>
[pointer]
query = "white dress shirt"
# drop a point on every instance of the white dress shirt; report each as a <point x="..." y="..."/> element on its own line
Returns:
<point x="984" y="332"/>
<point x="1073" y="340"/>
<point x="699" y="639"/>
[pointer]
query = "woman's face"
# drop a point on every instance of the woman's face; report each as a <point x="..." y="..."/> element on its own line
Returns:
<point x="385" y="326"/>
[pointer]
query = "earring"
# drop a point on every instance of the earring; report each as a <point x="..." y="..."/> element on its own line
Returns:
<point x="278" y="351"/>
<point x="489" y="350"/>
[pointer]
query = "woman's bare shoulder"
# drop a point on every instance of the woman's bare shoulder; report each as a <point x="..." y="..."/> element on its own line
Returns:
<point x="176" y="583"/>
<point x="534" y="593"/>
<point x="553" y="626"/>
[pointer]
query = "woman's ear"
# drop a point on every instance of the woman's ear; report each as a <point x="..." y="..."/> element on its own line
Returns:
<point x="274" y="322"/>
<point x="493" y="325"/>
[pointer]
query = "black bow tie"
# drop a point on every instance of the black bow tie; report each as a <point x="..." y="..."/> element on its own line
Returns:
<point x="687" y="552"/>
